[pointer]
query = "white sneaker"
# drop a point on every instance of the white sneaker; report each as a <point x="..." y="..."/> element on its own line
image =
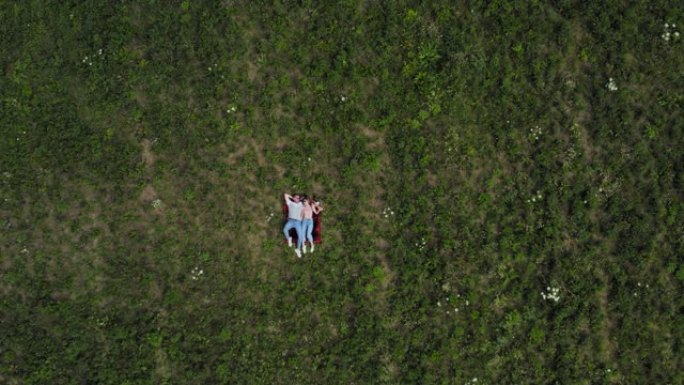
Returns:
<point x="289" y="242"/>
<point x="298" y="252"/>
<point x="312" y="248"/>
<point x="303" y="249"/>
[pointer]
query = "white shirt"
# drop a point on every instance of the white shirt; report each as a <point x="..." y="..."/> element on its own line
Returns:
<point x="294" y="210"/>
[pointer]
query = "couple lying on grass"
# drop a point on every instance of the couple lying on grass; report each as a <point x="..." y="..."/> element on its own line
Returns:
<point x="300" y="212"/>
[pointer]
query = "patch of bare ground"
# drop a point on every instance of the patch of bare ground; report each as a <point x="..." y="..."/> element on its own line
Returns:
<point x="234" y="156"/>
<point x="472" y="176"/>
<point x="569" y="243"/>
<point x="252" y="70"/>
<point x="258" y="150"/>
<point x="140" y="97"/>
<point x="371" y="134"/>
<point x="147" y="155"/>
<point x="148" y="194"/>
<point x="317" y="188"/>
<point x="583" y="139"/>
<point x="390" y="368"/>
<point x="278" y="112"/>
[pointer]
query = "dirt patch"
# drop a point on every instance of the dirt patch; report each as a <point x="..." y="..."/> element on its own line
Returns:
<point x="261" y="159"/>
<point x="369" y="132"/>
<point x="147" y="155"/>
<point x="236" y="155"/>
<point x="140" y="97"/>
<point x="569" y="243"/>
<point x="155" y="291"/>
<point x="252" y="71"/>
<point x="317" y="189"/>
<point x="432" y="179"/>
<point x="589" y="150"/>
<point x="148" y="194"/>
<point x="391" y="369"/>
<point x="377" y="139"/>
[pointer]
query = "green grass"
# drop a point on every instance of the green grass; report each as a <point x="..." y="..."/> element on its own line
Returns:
<point x="469" y="156"/>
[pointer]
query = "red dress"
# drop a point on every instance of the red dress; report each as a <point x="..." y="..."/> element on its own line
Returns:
<point x="316" y="228"/>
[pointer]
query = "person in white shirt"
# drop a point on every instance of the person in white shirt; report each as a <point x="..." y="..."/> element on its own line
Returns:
<point x="294" y="221"/>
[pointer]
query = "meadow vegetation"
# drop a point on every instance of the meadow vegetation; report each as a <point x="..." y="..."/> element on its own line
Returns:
<point x="502" y="182"/>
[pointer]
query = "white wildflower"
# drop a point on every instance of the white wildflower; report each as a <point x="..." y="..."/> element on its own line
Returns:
<point x="156" y="203"/>
<point x="551" y="294"/>
<point x="535" y="132"/>
<point x="195" y="273"/>
<point x="611" y="85"/>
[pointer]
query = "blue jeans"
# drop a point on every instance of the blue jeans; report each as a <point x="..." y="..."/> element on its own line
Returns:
<point x="307" y="229"/>
<point x="297" y="225"/>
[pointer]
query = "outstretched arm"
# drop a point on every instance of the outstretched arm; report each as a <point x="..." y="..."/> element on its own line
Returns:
<point x="316" y="209"/>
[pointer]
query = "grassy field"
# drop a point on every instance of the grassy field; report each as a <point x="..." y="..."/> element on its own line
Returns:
<point x="503" y="185"/>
